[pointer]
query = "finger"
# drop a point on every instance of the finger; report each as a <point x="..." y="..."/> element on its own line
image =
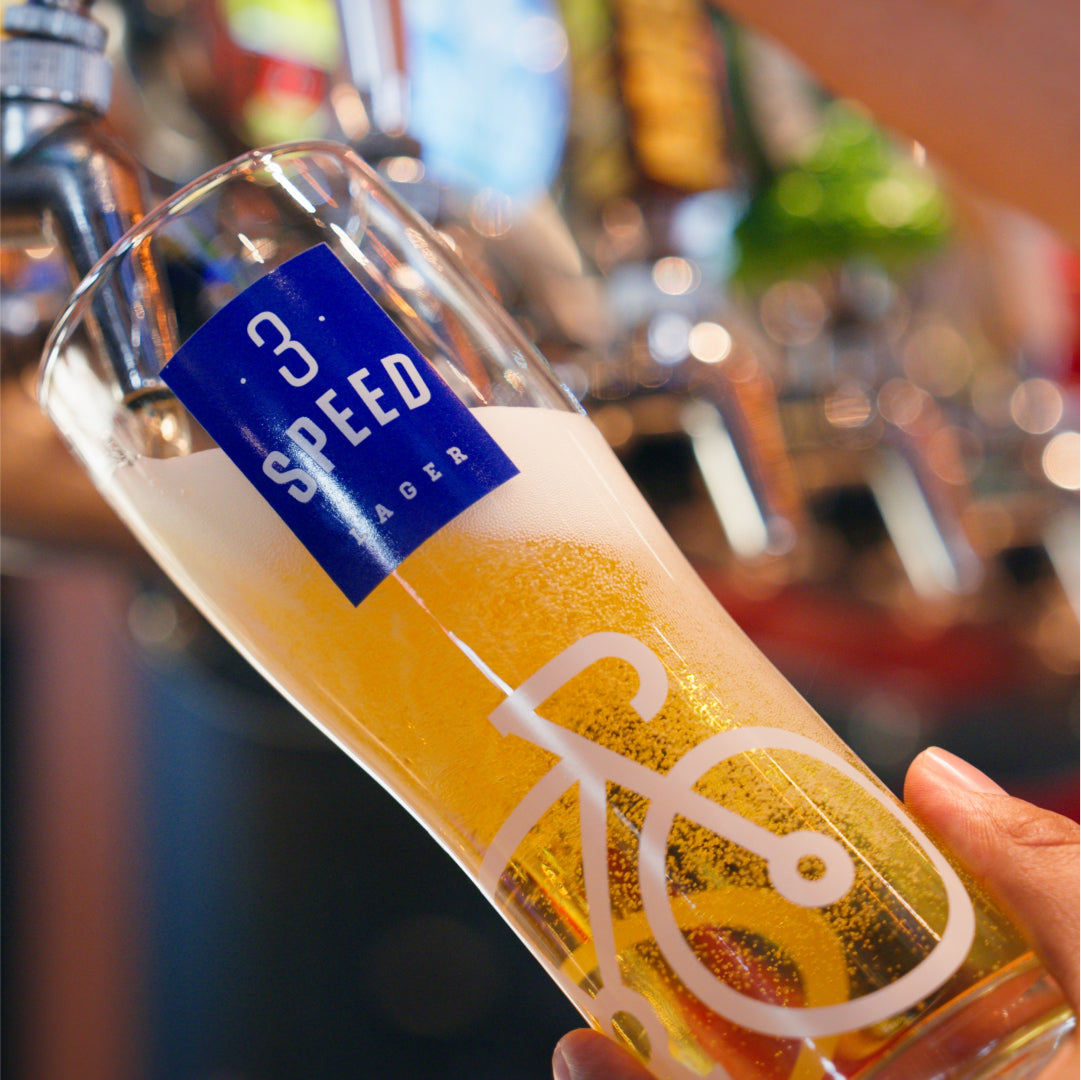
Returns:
<point x="589" y="1055"/>
<point x="1026" y="857"/>
<point x="1065" y="1065"/>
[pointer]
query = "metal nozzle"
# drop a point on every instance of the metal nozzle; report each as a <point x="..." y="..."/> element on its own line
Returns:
<point x="63" y="173"/>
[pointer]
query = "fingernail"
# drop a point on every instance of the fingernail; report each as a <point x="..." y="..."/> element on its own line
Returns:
<point x="560" y="1069"/>
<point x="959" y="773"/>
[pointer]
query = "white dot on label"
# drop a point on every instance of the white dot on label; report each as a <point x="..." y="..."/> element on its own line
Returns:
<point x="243" y="381"/>
<point x="322" y="318"/>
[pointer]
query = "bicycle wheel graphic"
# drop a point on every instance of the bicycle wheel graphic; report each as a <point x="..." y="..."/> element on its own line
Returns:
<point x="783" y="854"/>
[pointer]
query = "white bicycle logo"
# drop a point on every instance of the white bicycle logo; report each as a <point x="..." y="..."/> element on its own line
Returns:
<point x="591" y="766"/>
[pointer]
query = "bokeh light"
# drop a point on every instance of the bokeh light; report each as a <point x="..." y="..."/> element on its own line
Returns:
<point x="793" y="312"/>
<point x="1036" y="406"/>
<point x="675" y="276"/>
<point x="1062" y="460"/>
<point x="709" y="342"/>
<point x="668" y="337"/>
<point x="849" y="406"/>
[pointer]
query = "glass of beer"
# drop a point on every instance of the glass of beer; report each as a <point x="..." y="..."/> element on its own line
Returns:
<point x="353" y="462"/>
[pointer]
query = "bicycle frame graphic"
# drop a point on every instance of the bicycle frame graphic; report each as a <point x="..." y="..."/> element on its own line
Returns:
<point x="592" y="767"/>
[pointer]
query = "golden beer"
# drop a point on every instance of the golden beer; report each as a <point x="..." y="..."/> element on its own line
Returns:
<point x="407" y="681"/>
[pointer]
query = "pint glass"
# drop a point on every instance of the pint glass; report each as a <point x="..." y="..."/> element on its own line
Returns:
<point x="353" y="462"/>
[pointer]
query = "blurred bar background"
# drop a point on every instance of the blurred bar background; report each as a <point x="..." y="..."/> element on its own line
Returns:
<point x="847" y="385"/>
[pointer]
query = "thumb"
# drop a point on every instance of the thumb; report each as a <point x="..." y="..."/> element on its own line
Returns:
<point x="1026" y="857"/>
<point x="588" y="1055"/>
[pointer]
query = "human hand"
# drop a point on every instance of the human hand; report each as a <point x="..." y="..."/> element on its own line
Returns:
<point x="1027" y="858"/>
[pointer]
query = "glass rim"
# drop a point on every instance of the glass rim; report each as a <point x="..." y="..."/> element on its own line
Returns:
<point x="248" y="162"/>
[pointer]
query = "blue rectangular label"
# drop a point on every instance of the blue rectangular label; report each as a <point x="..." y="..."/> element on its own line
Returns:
<point x="336" y="418"/>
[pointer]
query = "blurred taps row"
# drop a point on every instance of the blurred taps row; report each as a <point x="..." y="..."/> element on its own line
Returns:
<point x="833" y="372"/>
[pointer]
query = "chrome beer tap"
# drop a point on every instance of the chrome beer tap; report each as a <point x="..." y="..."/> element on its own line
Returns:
<point x="66" y="176"/>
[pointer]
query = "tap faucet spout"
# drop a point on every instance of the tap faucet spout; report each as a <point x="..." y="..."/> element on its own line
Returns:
<point x="67" y="176"/>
